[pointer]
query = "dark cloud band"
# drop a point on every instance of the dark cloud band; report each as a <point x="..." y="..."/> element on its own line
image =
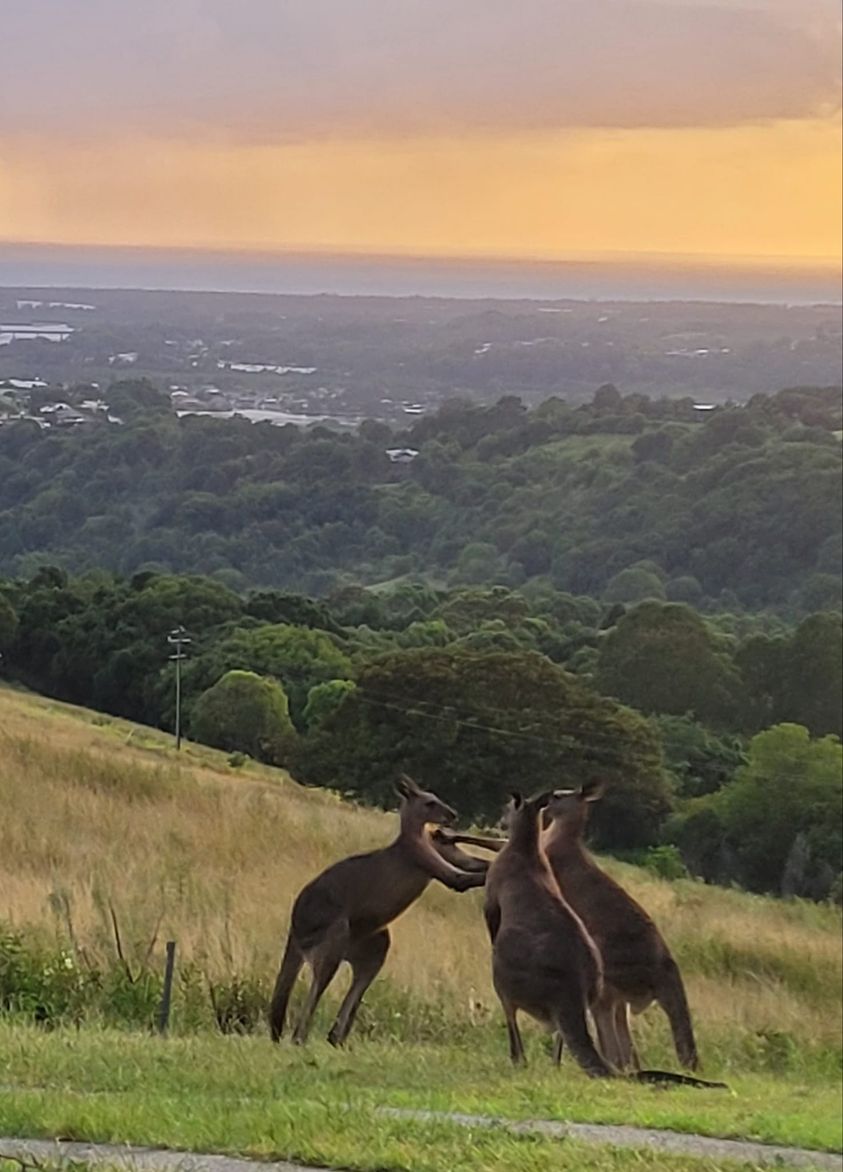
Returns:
<point x="281" y="69"/>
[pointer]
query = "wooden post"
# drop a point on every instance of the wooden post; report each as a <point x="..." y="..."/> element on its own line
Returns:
<point x="167" y="991"/>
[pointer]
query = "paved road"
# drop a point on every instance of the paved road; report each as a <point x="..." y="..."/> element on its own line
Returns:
<point x="140" y="1159"/>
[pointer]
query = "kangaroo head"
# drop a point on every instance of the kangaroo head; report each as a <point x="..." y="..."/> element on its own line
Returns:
<point x="521" y="811"/>
<point x="569" y="807"/>
<point x="421" y="807"/>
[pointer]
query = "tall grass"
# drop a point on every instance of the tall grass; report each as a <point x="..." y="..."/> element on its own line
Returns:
<point x="98" y="816"/>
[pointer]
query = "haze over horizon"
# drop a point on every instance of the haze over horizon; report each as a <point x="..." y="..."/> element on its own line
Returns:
<point x="554" y="129"/>
<point x="32" y="267"/>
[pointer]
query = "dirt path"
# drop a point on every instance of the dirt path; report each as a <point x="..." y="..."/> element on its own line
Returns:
<point x="141" y="1159"/>
<point x="614" y="1135"/>
<point x="138" y="1159"/>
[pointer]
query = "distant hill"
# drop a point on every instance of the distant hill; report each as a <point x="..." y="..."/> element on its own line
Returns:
<point x="733" y="506"/>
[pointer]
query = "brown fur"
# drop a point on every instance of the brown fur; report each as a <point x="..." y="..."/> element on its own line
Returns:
<point x="343" y="914"/>
<point x="543" y="961"/>
<point x="637" y="964"/>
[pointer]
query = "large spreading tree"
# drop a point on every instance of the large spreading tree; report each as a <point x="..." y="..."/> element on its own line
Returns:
<point x="473" y="726"/>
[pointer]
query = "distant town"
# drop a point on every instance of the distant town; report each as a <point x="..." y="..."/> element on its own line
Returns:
<point x="309" y="359"/>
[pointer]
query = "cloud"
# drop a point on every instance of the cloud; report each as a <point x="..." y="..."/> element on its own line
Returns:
<point x="276" y="70"/>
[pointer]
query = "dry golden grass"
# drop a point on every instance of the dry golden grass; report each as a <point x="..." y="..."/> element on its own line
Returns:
<point x="97" y="811"/>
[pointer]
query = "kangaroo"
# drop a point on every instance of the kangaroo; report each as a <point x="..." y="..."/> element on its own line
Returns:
<point x="638" y="966"/>
<point x="344" y="913"/>
<point x="544" y="961"/>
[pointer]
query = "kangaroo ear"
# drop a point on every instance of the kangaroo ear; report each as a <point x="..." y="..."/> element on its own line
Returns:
<point x="592" y="791"/>
<point x="406" y="787"/>
<point x="539" y="801"/>
<point x="516" y="798"/>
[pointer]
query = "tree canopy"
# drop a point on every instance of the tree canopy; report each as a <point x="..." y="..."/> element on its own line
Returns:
<point x="243" y="711"/>
<point x="474" y="725"/>
<point x="499" y="494"/>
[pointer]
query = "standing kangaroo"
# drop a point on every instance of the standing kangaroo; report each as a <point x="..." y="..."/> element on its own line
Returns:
<point x="638" y="967"/>
<point x="543" y="960"/>
<point x="637" y="964"/>
<point x="344" y="913"/>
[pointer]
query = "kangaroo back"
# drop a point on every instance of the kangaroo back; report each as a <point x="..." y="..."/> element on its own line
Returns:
<point x="637" y="961"/>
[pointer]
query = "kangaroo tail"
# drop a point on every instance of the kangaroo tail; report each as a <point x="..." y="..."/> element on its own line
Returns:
<point x="671" y="997"/>
<point x="573" y="1029"/>
<point x="683" y="1080"/>
<point x="290" y="966"/>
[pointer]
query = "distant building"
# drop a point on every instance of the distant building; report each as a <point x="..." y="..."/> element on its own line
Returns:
<point x="27" y="331"/>
<point x="401" y="455"/>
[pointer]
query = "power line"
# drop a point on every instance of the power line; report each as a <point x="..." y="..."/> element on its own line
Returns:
<point x="448" y="715"/>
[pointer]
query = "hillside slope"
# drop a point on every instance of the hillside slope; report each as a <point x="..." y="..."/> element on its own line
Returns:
<point x="99" y="811"/>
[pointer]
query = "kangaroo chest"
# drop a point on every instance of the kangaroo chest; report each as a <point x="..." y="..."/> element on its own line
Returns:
<point x="385" y="897"/>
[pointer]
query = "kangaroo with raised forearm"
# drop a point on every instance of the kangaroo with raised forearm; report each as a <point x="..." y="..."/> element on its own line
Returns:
<point x="544" y="961"/>
<point x="344" y="913"/>
<point x="638" y="966"/>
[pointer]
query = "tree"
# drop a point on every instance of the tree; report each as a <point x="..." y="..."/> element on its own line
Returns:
<point x="464" y="610"/>
<point x="797" y="677"/>
<point x="663" y="658"/>
<point x="653" y="445"/>
<point x="785" y="806"/>
<point x="298" y="657"/>
<point x="607" y="400"/>
<point x="134" y="396"/>
<point x="685" y="588"/>
<point x="700" y="761"/>
<point x="476" y="725"/>
<point x="323" y="700"/>
<point x="246" y="713"/>
<point x="8" y="624"/>
<point x="633" y="585"/>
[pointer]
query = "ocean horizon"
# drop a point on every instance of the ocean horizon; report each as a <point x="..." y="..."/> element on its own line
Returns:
<point x="46" y="266"/>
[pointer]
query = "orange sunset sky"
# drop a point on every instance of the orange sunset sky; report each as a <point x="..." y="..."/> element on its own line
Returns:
<point x="543" y="128"/>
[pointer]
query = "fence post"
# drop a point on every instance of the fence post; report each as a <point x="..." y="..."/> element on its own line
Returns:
<point x="167" y="991"/>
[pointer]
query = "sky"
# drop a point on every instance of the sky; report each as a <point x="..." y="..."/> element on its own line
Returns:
<point x="708" y="129"/>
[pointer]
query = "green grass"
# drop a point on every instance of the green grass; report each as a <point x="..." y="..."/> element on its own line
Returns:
<point x="207" y="1093"/>
<point x="219" y="853"/>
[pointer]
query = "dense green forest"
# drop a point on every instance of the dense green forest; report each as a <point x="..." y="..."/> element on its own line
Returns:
<point x="718" y="737"/>
<point x="630" y="589"/>
<point x="623" y="499"/>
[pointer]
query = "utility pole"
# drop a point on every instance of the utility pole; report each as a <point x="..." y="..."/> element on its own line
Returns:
<point x="178" y="638"/>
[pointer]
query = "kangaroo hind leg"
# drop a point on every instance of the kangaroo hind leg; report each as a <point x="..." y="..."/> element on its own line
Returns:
<point x="628" y="1059"/>
<point x="366" y="958"/>
<point x="516" y="1045"/>
<point x="573" y="1027"/>
<point x="324" y="959"/>
<point x="603" y="1012"/>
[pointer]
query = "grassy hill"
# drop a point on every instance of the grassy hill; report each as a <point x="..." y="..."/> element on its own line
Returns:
<point x="99" y="813"/>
